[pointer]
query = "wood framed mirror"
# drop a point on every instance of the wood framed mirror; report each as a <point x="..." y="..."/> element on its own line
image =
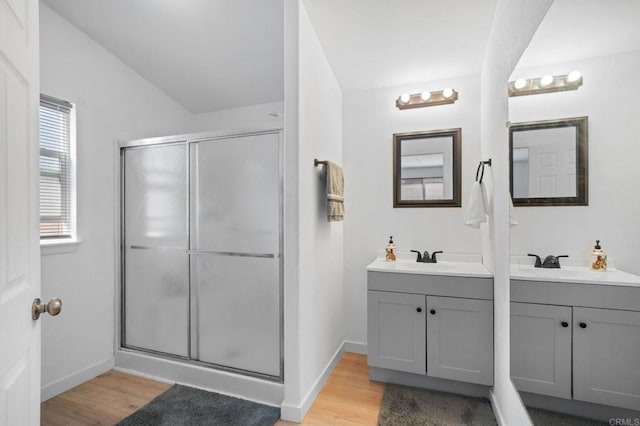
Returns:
<point x="426" y="168"/>
<point x="548" y="162"/>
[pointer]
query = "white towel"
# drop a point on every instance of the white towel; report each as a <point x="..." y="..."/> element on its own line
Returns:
<point x="477" y="212"/>
<point x="513" y="221"/>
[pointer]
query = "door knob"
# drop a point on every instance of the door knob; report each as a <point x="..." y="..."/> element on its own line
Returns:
<point x="53" y="307"/>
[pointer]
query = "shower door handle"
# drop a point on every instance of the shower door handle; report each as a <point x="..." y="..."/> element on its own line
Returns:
<point x="53" y="308"/>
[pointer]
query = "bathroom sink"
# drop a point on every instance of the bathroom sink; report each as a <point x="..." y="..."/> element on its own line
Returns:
<point x="447" y="268"/>
<point x="574" y="274"/>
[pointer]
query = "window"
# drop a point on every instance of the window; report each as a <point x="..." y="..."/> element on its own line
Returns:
<point x="57" y="170"/>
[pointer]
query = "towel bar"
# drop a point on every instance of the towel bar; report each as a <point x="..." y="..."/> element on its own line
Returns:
<point x="317" y="162"/>
<point x="481" y="165"/>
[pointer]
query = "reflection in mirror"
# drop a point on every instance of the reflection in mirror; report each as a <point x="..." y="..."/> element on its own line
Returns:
<point x="549" y="162"/>
<point x="563" y="360"/>
<point x="426" y="169"/>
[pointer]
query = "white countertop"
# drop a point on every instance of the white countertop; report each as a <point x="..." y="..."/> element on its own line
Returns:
<point x="574" y="274"/>
<point x="445" y="267"/>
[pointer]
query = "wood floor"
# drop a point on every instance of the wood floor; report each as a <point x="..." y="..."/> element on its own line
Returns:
<point x="348" y="398"/>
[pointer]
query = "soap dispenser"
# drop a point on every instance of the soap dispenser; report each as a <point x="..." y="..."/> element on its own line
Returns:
<point x="390" y="250"/>
<point x="598" y="258"/>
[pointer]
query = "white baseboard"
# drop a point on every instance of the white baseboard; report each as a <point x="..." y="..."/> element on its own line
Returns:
<point x="72" y="380"/>
<point x="355" y="347"/>
<point x="497" y="411"/>
<point x="295" y="413"/>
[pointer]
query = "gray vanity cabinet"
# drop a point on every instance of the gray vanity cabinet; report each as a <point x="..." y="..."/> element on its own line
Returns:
<point x="585" y="348"/>
<point x="541" y="349"/>
<point x="460" y="339"/>
<point x="434" y="326"/>
<point x="397" y="331"/>
<point x="606" y="357"/>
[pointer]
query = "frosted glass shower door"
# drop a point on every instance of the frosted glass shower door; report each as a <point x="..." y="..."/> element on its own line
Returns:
<point x="235" y="253"/>
<point x="156" y="264"/>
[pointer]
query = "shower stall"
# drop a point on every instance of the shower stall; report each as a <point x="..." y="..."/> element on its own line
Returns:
<point x="201" y="251"/>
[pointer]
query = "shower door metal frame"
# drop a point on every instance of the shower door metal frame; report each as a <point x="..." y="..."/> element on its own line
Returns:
<point x="188" y="140"/>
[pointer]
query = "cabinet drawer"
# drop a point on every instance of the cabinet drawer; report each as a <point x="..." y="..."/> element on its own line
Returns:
<point x="575" y="294"/>
<point x="437" y="285"/>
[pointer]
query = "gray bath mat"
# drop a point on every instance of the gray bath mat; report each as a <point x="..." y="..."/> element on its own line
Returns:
<point x="402" y="405"/>
<point x="182" y="405"/>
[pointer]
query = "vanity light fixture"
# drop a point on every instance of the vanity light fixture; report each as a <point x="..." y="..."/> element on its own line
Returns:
<point x="427" y="98"/>
<point x="545" y="84"/>
<point x="574" y="76"/>
<point x="520" y="83"/>
<point x="546" y="80"/>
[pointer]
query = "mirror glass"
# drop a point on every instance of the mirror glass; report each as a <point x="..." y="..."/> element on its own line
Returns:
<point x="427" y="169"/>
<point x="557" y="363"/>
<point x="549" y="162"/>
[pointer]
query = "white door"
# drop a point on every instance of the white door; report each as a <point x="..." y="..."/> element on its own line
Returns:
<point x="19" y="235"/>
<point x="552" y="161"/>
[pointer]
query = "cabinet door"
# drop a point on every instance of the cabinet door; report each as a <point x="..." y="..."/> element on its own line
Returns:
<point x="541" y="349"/>
<point x="460" y="339"/>
<point x="397" y="331"/>
<point x="606" y="357"/>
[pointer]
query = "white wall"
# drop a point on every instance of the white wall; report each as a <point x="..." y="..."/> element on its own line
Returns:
<point x="239" y="118"/>
<point x="610" y="98"/>
<point x="112" y="102"/>
<point x="370" y="118"/>
<point x="320" y="292"/>
<point x="291" y="405"/>
<point x="513" y="26"/>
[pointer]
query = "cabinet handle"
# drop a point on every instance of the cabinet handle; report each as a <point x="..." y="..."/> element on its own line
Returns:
<point x="433" y="312"/>
<point x="583" y="325"/>
<point x="565" y="324"/>
<point x="419" y="309"/>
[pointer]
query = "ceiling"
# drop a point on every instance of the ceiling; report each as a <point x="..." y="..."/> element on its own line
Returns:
<point x="373" y="44"/>
<point x="219" y="54"/>
<point x="206" y="54"/>
<point x="579" y="29"/>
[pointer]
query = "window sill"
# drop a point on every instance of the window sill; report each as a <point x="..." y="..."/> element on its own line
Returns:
<point x="48" y="247"/>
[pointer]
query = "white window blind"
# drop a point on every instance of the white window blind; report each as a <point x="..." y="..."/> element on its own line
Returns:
<point x="56" y="169"/>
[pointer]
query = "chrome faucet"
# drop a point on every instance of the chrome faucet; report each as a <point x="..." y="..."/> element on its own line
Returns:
<point x="424" y="258"/>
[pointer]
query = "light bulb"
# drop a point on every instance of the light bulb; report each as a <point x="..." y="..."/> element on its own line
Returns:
<point x="447" y="93"/>
<point x="546" y="80"/>
<point x="426" y="95"/>
<point x="404" y="98"/>
<point x="520" y="83"/>
<point x="574" y="76"/>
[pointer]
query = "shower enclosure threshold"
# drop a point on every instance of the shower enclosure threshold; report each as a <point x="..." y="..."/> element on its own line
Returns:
<point x="199" y="375"/>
